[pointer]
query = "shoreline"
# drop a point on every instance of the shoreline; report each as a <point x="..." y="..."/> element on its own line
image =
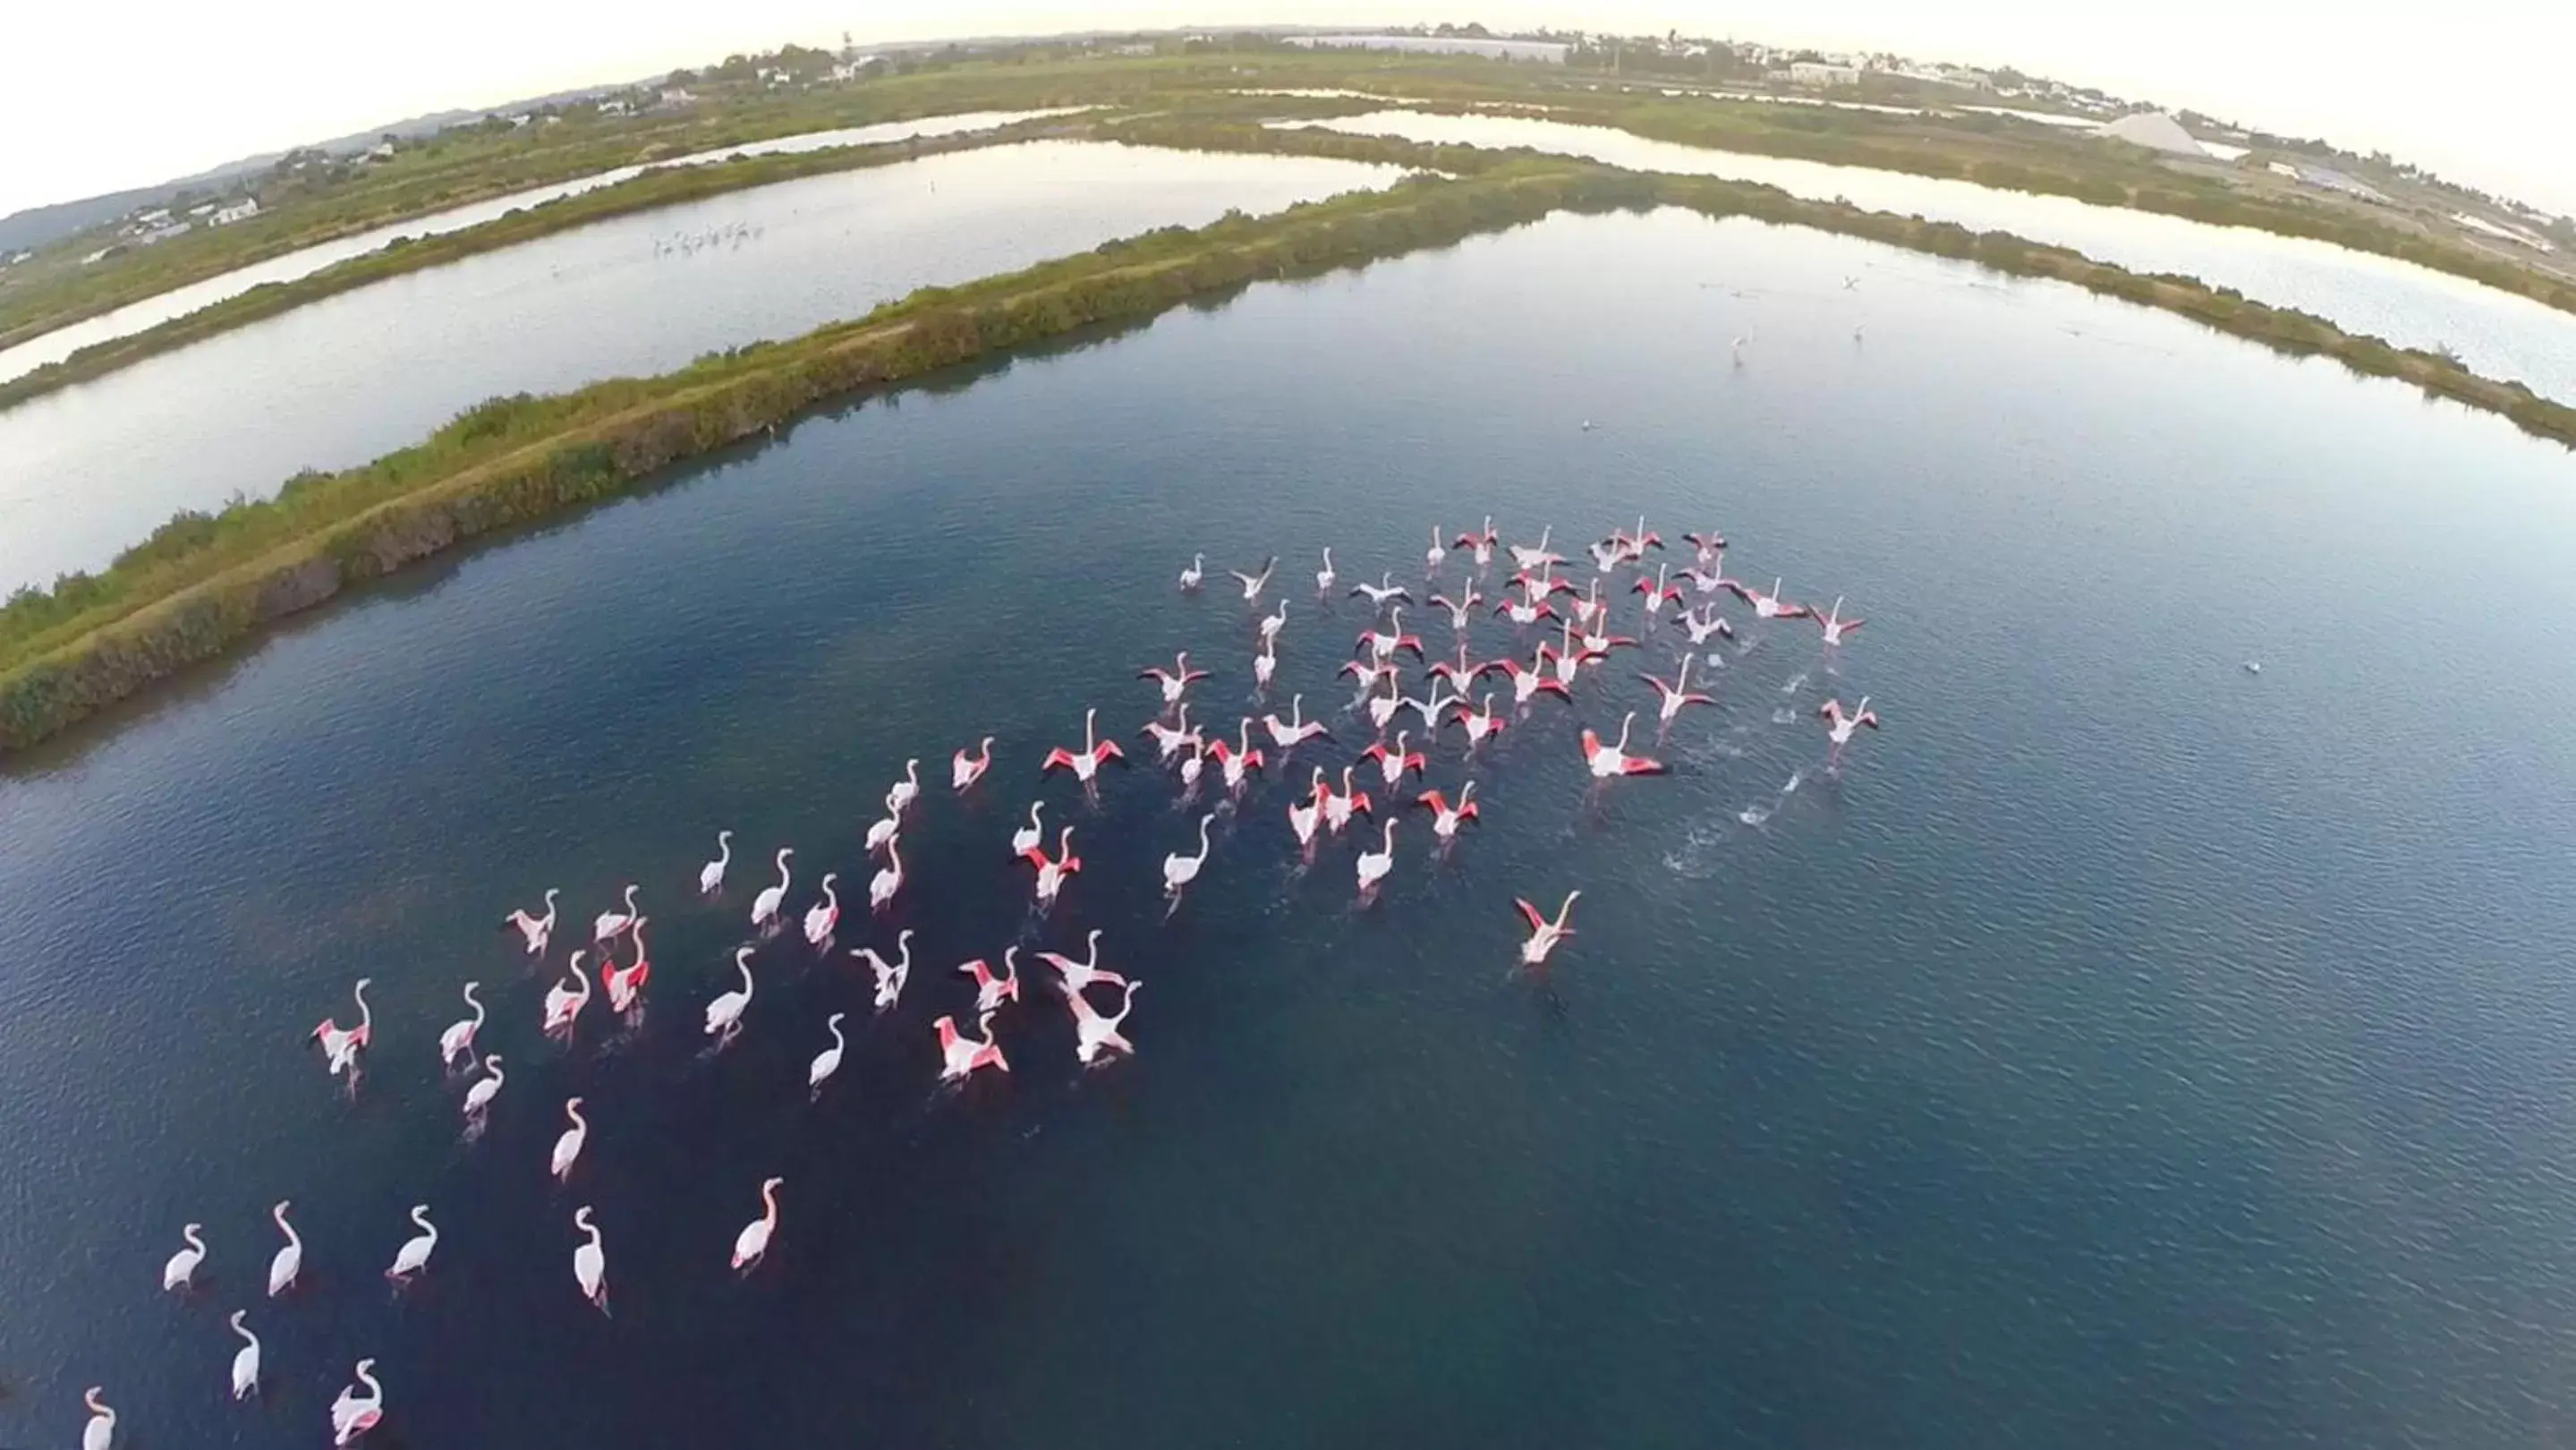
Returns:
<point x="204" y="585"/>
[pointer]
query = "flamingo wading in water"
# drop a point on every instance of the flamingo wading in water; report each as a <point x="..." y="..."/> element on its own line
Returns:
<point x="753" y="1241"/>
<point x="1095" y="752"/>
<point x="1095" y="1033"/>
<point x="711" y="876"/>
<point x="764" y="907"/>
<point x="354" y="1414"/>
<point x="724" y="1014"/>
<point x="827" y="1061"/>
<point x="1179" y="870"/>
<point x="964" y="770"/>
<point x="180" y="1273"/>
<point x="340" y="1046"/>
<point x="537" y="930"/>
<point x="457" y="1042"/>
<point x="1373" y="865"/>
<point x="590" y="1261"/>
<point x="478" y="1098"/>
<point x="413" y="1256"/>
<point x="568" y="1147"/>
<point x="823" y="915"/>
<point x="246" y="1360"/>
<point x="890" y="979"/>
<point x="614" y="923"/>
<point x="288" y="1261"/>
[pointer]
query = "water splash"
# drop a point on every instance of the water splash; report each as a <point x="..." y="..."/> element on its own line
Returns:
<point x="1784" y="716"/>
<point x="1796" y="683"/>
<point x="1795" y="777"/>
<point x="1753" y="815"/>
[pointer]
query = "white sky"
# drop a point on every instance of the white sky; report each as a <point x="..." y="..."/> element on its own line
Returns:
<point x="106" y="96"/>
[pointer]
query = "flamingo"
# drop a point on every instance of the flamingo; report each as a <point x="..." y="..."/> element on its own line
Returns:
<point x="1382" y="708"/>
<point x="487" y="1087"/>
<point x="1525" y="612"/>
<point x="1324" y="576"/>
<point x="1712" y="579"/>
<point x="1383" y="646"/>
<point x="1373" y="865"/>
<point x="1598" y="644"/>
<point x="1544" y="934"/>
<point x="1432" y="556"/>
<point x="711" y="876"/>
<point x="1839" y="724"/>
<point x="1303" y="817"/>
<point x="340" y="1047"/>
<point x="890" y="979"/>
<point x="1609" y="760"/>
<point x="1609" y="553"/>
<point x="413" y="1256"/>
<point x="1833" y="623"/>
<point x="753" y="1241"/>
<point x="827" y="1061"/>
<point x="1271" y="624"/>
<point x="101" y="1429"/>
<point x="564" y="1003"/>
<point x="1568" y="659"/>
<point x="881" y="831"/>
<point x="1094" y="1033"/>
<point x="1460" y="608"/>
<point x="724" y="1014"/>
<point x="1527" y="682"/>
<point x="1233" y="760"/>
<point x="1458" y="674"/>
<point x="1030" y="834"/>
<point x="1529" y="557"/>
<point x="1296" y="729"/>
<point x="1174" y="680"/>
<point x="1708" y="546"/>
<point x="1675" y="695"/>
<point x="1392" y="764"/>
<point x="1051" y="873"/>
<point x="1660" y="592"/>
<point x="1193" y="575"/>
<point x="764" y="907"/>
<point x="901" y="794"/>
<point x="1700" y="628"/>
<point x="1179" y="870"/>
<point x="1338" y="808"/>
<point x="960" y="1055"/>
<point x="1094" y="752"/>
<point x="1254" y="583"/>
<point x="178" y="1276"/>
<point x="568" y="1147"/>
<point x="1444" y="816"/>
<point x="246" y="1360"/>
<point x="1480" y="543"/>
<point x="888" y="880"/>
<point x="538" y="930"/>
<point x="626" y="984"/>
<point x="1591" y="610"/>
<point x="1383" y="590"/>
<point x="1168" y="739"/>
<point x="1191" y="764"/>
<point x="1265" y="664"/>
<point x="1771" y="605"/>
<point x="964" y="770"/>
<point x="458" y="1040"/>
<point x="613" y="923"/>
<point x="1434" y="709"/>
<point x="1078" y="975"/>
<point x="821" y="917"/>
<point x="1480" y="722"/>
<point x="354" y="1414"/>
<point x="990" y="990"/>
<point x="288" y="1261"/>
<point x="590" y="1261"/>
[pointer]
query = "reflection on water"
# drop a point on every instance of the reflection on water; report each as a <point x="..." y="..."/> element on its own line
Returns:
<point x="178" y="302"/>
<point x="89" y="470"/>
<point x="2495" y="333"/>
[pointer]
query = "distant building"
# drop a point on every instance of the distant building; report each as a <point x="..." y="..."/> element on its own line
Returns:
<point x="1822" y="74"/>
<point x="240" y="211"/>
<point x="855" y="67"/>
<point x="2154" y="130"/>
<point x="200" y="209"/>
<point x="678" y="96"/>
<point x="1543" y="52"/>
<point x="616" y="106"/>
<point x="381" y="151"/>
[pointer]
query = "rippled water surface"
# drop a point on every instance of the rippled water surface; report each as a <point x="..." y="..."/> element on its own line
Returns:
<point x="89" y="470"/>
<point x="61" y="343"/>
<point x="2121" y="1049"/>
<point x="2493" y="332"/>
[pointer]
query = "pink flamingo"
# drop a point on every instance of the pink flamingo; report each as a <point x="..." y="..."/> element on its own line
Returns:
<point x="1094" y="752"/>
<point x="1174" y="680"/>
<point x="626" y="984"/>
<point x="1296" y="730"/>
<point x="1081" y="974"/>
<point x="1677" y="694"/>
<point x="1527" y="682"/>
<point x="1094" y="1033"/>
<point x="1168" y="739"/>
<point x="564" y="1002"/>
<point x="1609" y="760"/>
<point x="537" y="930"/>
<point x="1544" y="934"/>
<point x="1480" y="544"/>
<point x="1383" y="644"/>
<point x="1444" y="816"/>
<point x="1699" y="628"/>
<point x="1840" y="724"/>
<point x="1461" y="608"/>
<point x="1833" y="623"/>
<point x="1338" y="809"/>
<point x="1771" y="605"/>
<point x="1480" y="722"/>
<point x="964" y="770"/>
<point x="1233" y="760"/>
<point x="1052" y="872"/>
<point x="961" y="1056"/>
<point x="1660" y="592"/>
<point x="1392" y="764"/>
<point x="990" y="990"/>
<point x="340" y="1046"/>
<point x="1708" y="546"/>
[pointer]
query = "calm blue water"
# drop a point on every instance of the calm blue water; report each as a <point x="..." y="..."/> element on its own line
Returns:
<point x="90" y="470"/>
<point x="62" y="342"/>
<point x="2123" y="1050"/>
<point x="2494" y="332"/>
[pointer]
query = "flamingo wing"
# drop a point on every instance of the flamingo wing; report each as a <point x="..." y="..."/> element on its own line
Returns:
<point x="1057" y="759"/>
<point x="1530" y="914"/>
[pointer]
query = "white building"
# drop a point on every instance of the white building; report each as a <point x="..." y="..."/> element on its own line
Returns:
<point x="1823" y="73"/>
<point x="1544" y="52"/>
<point x="240" y="211"/>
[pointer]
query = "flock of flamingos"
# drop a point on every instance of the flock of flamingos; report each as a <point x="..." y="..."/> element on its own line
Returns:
<point x="1582" y="642"/>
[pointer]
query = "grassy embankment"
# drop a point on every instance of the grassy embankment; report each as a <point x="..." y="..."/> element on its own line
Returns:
<point x="204" y="584"/>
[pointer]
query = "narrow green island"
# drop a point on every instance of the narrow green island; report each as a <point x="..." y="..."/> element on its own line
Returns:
<point x="204" y="585"/>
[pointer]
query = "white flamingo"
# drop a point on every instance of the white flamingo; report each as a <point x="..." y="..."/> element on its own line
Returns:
<point x="1296" y="729"/>
<point x="1675" y="695"/>
<point x="1324" y="576"/>
<point x="764" y="907"/>
<point x="537" y="930"/>
<point x="564" y="1003"/>
<point x="1271" y="624"/>
<point x="1393" y="762"/>
<point x="1373" y="865"/>
<point x="821" y="917"/>
<point x="1659" y="593"/>
<point x="179" y="1274"/>
<point x="1544" y="934"/>
<point x="1432" y="556"/>
<point x="1383" y="590"/>
<point x="882" y="830"/>
<point x="568" y="1147"/>
<point x="1839" y="723"/>
<point x="1771" y="605"/>
<point x="1078" y="975"/>
<point x="1168" y="739"/>
<point x="590" y="1261"/>
<point x="288" y="1261"/>
<point x="1094" y="1033"/>
<point x="753" y="1241"/>
<point x="1462" y="608"/>
<point x="724" y="1014"/>
<point x="1253" y="583"/>
<point x="901" y="794"/>
<point x="1027" y="837"/>
<point x="1095" y="751"/>
<point x="100" y="1432"/>
<point x="1174" y="681"/>
<point x="1606" y="761"/>
<point x="414" y="1254"/>
<point x="354" y="1414"/>
<point x="1833" y="623"/>
<point x="888" y="880"/>
<point x="1304" y="816"/>
<point x="1532" y="557"/>
<point x="711" y="876"/>
<point x="1179" y="870"/>
<point x="340" y="1045"/>
<point x="245" y="1360"/>
<point x="890" y="979"/>
<point x="827" y="1061"/>
<point x="1192" y="576"/>
<point x="458" y="1040"/>
<point x="479" y="1097"/>
<point x="1265" y="665"/>
<point x="1701" y="624"/>
<point x="613" y="923"/>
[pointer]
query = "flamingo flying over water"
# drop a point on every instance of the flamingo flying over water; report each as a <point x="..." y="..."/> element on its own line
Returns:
<point x="1338" y="809"/>
<point x="340" y="1046"/>
<point x="961" y="1056"/>
<point x="1833" y="623"/>
<point x="1444" y="816"/>
<point x="1383" y="590"/>
<point x="890" y="978"/>
<point x="990" y="990"/>
<point x="1529" y="556"/>
<point x="1839" y="724"/>
<point x="1168" y="739"/>
<point x="1770" y="605"/>
<point x="1544" y="934"/>
<point x="1659" y="593"/>
<point x="1707" y="544"/>
<point x="1233" y="760"/>
<point x="1095" y="1033"/>
<point x="1296" y="730"/>
<point x="1609" y="760"/>
<point x="753" y="1241"/>
<point x="1480" y="544"/>
<point x="1462" y="608"/>
<point x="1053" y="871"/>
<point x="1077" y="975"/>
<point x="964" y="770"/>
<point x="1383" y="644"/>
<point x="1392" y="763"/>
<point x="1528" y="680"/>
<point x="1675" y="695"/>
<point x="1254" y="583"/>
<point x="1480" y="722"/>
<point x="1095" y="751"/>
<point x="537" y="930"/>
<point x="1174" y="680"/>
<point x="1699" y="626"/>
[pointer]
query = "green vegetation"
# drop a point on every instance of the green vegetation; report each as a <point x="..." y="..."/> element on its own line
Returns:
<point x="203" y="584"/>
